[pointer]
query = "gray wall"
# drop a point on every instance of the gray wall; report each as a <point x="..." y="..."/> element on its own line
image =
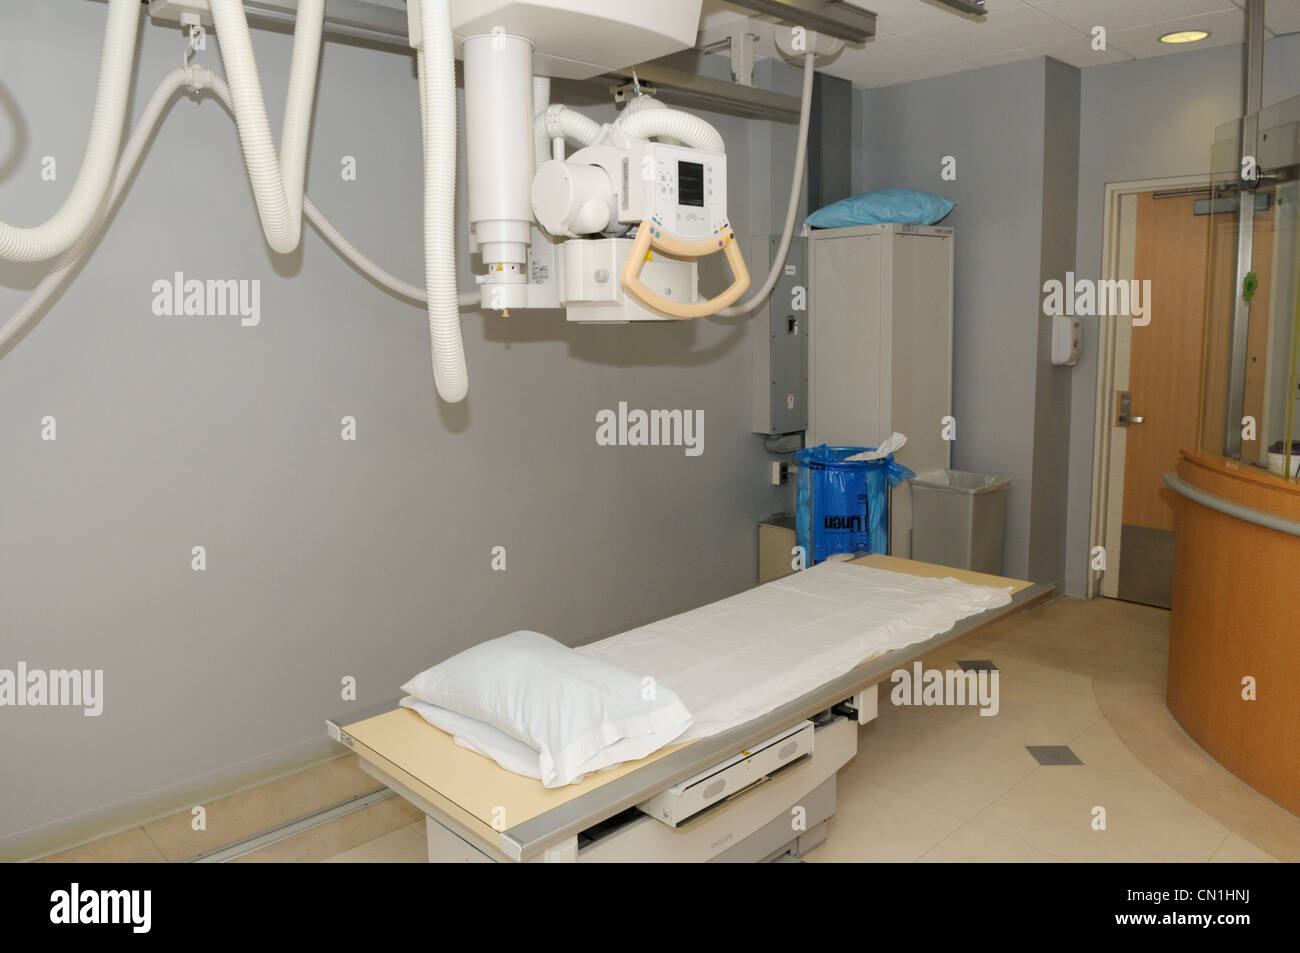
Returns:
<point x="993" y="122"/>
<point x="1023" y="133"/>
<point x="830" y="141"/>
<point x="325" y="558"/>
<point x="1142" y="120"/>
<point x="1048" y="510"/>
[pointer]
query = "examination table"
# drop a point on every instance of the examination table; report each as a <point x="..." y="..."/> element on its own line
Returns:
<point x="759" y="791"/>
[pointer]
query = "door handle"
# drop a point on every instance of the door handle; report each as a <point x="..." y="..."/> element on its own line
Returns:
<point x="1125" y="416"/>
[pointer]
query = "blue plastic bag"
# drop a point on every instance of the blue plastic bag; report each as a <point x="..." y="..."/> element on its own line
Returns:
<point x="883" y="207"/>
<point x="843" y="507"/>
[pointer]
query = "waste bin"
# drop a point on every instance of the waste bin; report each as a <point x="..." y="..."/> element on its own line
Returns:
<point x="842" y="505"/>
<point x="957" y="519"/>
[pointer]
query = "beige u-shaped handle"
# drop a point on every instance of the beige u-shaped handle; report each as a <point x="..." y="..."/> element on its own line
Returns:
<point x="649" y="236"/>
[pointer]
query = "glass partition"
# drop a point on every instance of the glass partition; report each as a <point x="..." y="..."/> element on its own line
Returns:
<point x="1264" y="384"/>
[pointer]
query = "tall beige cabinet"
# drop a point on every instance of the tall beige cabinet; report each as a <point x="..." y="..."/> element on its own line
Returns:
<point x="880" y="347"/>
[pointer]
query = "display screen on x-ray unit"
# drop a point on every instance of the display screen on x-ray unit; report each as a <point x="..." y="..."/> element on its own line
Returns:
<point x="690" y="184"/>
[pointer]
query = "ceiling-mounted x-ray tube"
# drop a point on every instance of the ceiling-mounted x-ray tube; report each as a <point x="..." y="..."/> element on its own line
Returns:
<point x="499" y="161"/>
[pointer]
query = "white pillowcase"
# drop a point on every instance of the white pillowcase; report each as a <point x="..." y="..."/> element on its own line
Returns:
<point x="578" y="713"/>
<point x="479" y="737"/>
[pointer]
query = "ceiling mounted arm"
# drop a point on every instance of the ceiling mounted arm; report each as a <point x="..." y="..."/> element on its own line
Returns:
<point x="972" y="7"/>
<point x="846" y="21"/>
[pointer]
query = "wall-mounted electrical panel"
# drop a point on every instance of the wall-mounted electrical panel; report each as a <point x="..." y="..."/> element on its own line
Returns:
<point x="780" y="357"/>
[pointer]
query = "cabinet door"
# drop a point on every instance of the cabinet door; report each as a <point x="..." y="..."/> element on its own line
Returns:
<point x="921" y="392"/>
<point x="846" y="378"/>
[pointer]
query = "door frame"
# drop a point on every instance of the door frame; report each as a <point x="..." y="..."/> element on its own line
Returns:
<point x="1113" y="355"/>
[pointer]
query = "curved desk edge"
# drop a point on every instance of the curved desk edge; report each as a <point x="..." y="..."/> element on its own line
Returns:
<point x="1229" y="507"/>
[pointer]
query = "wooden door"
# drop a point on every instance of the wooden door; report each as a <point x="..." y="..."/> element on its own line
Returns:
<point x="1165" y="369"/>
<point x="1171" y="250"/>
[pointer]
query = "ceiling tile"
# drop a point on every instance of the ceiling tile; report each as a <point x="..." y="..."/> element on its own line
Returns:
<point x="894" y="79"/>
<point x="1119" y="14"/>
<point x="1013" y="29"/>
<point x="1077" y="52"/>
<point x="1224" y="28"/>
<point x="1282" y="16"/>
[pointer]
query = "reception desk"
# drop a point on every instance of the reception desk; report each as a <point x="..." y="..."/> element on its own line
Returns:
<point x="1236" y="620"/>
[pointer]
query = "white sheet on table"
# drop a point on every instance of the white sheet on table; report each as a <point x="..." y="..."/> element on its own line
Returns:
<point x="734" y="660"/>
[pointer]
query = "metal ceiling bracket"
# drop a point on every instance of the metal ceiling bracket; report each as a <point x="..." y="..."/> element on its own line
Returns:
<point x="701" y="92"/>
<point x="843" y="20"/>
<point x="742" y="55"/>
<point x="1248" y="149"/>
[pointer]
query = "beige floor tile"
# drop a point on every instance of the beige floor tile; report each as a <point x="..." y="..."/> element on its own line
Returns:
<point x="402" y="846"/>
<point x="946" y="766"/>
<point x="1238" y="850"/>
<point x="250" y="812"/>
<point x="874" y="824"/>
<point x="337" y="836"/>
<point x="1014" y="664"/>
<point x="1028" y="713"/>
<point x="1160" y="743"/>
<point x="1099" y="747"/>
<point x="1108" y="689"/>
<point x="971" y="844"/>
<point x="1098" y="637"/>
<point x="1052" y="809"/>
<point x="128" y="847"/>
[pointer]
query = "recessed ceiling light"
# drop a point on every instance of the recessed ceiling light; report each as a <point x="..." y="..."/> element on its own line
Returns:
<point x="1184" y="36"/>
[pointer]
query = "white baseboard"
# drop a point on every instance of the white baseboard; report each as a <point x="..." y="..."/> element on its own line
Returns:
<point x="69" y="832"/>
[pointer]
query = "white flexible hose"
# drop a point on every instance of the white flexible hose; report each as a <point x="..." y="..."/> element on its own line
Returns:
<point x="88" y="191"/>
<point x="153" y="110"/>
<point x="359" y="258"/>
<point x="560" y="121"/>
<point x="436" y="66"/>
<point x="150" y="118"/>
<point x="277" y="182"/>
<point x="691" y="130"/>
<point x="541" y="99"/>
<point x="792" y="210"/>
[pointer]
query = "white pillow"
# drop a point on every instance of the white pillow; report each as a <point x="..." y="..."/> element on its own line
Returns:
<point x="479" y="737"/>
<point x="578" y="712"/>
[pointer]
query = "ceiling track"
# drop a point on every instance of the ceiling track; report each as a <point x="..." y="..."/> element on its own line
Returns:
<point x="701" y="92"/>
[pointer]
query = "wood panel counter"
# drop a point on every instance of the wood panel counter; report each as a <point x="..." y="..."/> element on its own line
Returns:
<point x="1236" y="616"/>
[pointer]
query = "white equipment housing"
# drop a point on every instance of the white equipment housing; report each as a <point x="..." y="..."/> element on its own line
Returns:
<point x="578" y="39"/>
<point x="591" y="293"/>
<point x="689" y="798"/>
<point x="606" y="187"/>
<point x="604" y="190"/>
<point x="598" y="193"/>
<point x="184" y="12"/>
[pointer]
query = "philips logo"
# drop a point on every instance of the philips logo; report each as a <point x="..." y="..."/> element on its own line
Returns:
<point x="852" y="524"/>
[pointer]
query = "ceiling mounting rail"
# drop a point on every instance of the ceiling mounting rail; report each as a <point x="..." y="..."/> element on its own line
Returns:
<point x="845" y="20"/>
<point x="701" y="92"/>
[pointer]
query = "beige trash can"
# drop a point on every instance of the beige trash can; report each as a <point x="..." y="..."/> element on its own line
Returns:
<point x="958" y="519"/>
